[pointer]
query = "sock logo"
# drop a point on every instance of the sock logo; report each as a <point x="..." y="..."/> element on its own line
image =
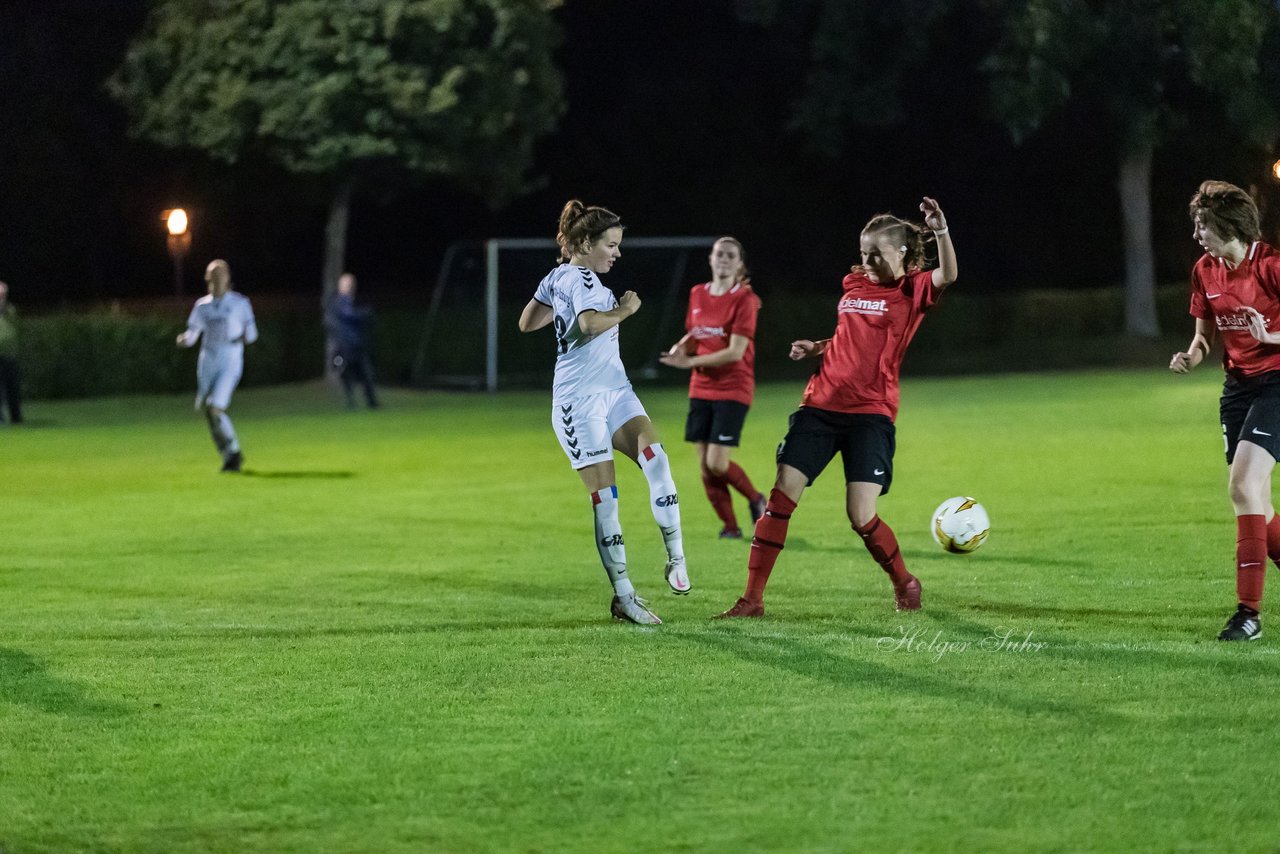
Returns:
<point x="667" y="500"/>
<point x="610" y="542"/>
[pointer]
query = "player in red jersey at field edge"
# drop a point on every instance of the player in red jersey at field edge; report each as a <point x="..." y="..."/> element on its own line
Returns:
<point x="850" y="403"/>
<point x="719" y="349"/>
<point x="1235" y="295"/>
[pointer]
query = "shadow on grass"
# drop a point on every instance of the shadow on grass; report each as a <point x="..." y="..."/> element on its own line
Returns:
<point x="25" y="681"/>
<point x="299" y="475"/>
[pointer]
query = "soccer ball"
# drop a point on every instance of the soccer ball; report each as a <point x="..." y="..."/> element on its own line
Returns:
<point x="960" y="524"/>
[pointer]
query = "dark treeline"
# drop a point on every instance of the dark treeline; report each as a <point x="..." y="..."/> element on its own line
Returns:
<point x="679" y="117"/>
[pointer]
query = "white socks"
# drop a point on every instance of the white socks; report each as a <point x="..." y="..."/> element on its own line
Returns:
<point x="604" y="504"/>
<point x="664" y="501"/>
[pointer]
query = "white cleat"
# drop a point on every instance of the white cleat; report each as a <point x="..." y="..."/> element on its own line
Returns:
<point x="678" y="576"/>
<point x="632" y="609"/>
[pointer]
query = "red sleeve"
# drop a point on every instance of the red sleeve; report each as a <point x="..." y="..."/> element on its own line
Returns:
<point x="744" y="317"/>
<point x="688" y="311"/>
<point x="1198" y="307"/>
<point x="923" y="292"/>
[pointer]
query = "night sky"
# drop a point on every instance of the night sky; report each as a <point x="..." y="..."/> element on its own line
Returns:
<point x="679" y="118"/>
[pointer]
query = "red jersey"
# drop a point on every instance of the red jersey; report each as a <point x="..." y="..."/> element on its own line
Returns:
<point x="874" y="325"/>
<point x="1219" y="293"/>
<point x="710" y="321"/>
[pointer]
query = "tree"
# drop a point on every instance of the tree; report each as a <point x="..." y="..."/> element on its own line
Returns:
<point x="1135" y="63"/>
<point x="350" y="90"/>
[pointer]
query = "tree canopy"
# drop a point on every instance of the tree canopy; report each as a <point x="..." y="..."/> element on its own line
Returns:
<point x="459" y="89"/>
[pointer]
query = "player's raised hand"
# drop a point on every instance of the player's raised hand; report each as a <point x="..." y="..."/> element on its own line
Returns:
<point x="933" y="216"/>
<point x="630" y="302"/>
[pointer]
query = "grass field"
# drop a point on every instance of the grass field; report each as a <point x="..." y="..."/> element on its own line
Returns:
<point x="392" y="634"/>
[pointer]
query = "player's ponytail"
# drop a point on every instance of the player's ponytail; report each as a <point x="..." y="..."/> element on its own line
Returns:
<point x="581" y="226"/>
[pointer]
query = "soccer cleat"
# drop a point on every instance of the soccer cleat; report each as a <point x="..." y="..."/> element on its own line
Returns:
<point x="678" y="576"/>
<point x="757" y="506"/>
<point x="906" y="596"/>
<point x="233" y="462"/>
<point x="632" y="609"/>
<point x="1244" y="624"/>
<point x="743" y="608"/>
<point x="731" y="534"/>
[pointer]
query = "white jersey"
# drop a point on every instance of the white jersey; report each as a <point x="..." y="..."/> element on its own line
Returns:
<point x="223" y="325"/>
<point x="585" y="364"/>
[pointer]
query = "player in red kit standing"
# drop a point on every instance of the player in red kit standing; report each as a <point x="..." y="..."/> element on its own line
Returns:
<point x="1235" y="293"/>
<point x="851" y="402"/>
<point x="719" y="349"/>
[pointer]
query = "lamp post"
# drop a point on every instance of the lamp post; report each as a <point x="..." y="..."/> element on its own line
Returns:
<point x="179" y="242"/>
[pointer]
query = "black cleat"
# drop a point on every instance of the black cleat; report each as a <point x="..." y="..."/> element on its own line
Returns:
<point x="233" y="462"/>
<point x="1244" y="625"/>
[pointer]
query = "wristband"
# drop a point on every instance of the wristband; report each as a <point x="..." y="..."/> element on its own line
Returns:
<point x="942" y="231"/>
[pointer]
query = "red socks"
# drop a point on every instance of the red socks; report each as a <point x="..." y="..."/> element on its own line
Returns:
<point x="737" y="478"/>
<point x="1252" y="541"/>
<point x="771" y="534"/>
<point x="1273" y="539"/>
<point x="721" y="501"/>
<point x="883" y="545"/>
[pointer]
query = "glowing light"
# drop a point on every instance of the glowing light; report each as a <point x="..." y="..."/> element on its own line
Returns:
<point x="177" y="221"/>
<point x="1275" y="170"/>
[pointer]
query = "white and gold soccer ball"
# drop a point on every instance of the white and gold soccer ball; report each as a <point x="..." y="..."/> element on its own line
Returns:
<point x="960" y="524"/>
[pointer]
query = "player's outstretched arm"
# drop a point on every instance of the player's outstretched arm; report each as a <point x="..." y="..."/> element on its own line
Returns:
<point x="1258" y="326"/>
<point x="947" y="270"/>
<point x="806" y="349"/>
<point x="535" y="316"/>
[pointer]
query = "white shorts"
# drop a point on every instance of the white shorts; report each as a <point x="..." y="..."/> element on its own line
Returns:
<point x="216" y="379"/>
<point x="585" y="425"/>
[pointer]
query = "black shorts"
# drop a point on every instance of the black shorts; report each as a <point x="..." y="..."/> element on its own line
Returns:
<point x="716" y="422"/>
<point x="1250" y="410"/>
<point x="866" y="442"/>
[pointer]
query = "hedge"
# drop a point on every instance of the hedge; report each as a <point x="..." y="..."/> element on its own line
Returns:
<point x="103" y="352"/>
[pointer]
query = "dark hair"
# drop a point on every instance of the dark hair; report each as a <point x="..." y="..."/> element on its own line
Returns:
<point x="912" y="238"/>
<point x="580" y="226"/>
<point x="744" y="274"/>
<point x="1228" y="210"/>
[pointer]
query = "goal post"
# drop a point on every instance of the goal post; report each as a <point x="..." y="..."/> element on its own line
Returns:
<point x="497" y="283"/>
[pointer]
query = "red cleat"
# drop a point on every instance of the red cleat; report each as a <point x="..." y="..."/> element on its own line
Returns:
<point x="906" y="596"/>
<point x="746" y="608"/>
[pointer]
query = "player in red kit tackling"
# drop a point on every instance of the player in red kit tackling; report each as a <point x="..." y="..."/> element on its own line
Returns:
<point x="1235" y="295"/>
<point x="850" y="403"/>
<point x="719" y="348"/>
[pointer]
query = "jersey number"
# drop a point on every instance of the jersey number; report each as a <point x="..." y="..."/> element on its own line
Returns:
<point x="562" y="343"/>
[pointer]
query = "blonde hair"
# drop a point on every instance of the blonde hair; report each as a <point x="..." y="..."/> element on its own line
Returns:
<point x="912" y="238"/>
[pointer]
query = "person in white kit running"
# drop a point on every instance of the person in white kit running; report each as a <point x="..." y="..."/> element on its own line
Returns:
<point x="223" y="323"/>
<point x="594" y="409"/>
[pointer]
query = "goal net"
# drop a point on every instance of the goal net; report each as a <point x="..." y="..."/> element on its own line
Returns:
<point x="470" y="338"/>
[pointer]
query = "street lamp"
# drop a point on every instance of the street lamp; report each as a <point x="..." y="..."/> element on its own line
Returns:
<point x="179" y="242"/>
<point x="1275" y="170"/>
